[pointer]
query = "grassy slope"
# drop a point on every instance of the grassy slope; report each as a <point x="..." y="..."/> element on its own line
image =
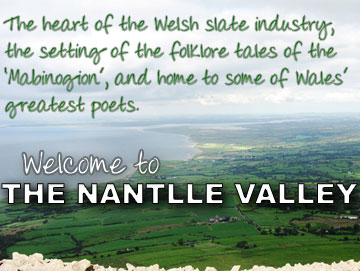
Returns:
<point x="152" y="232"/>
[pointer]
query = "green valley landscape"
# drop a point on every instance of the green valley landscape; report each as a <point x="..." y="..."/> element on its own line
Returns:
<point x="309" y="151"/>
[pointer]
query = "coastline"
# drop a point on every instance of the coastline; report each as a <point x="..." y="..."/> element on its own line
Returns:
<point x="194" y="146"/>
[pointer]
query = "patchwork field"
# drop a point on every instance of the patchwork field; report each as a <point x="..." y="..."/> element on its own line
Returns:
<point x="216" y="235"/>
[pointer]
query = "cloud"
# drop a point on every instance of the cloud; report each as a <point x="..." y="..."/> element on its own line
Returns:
<point x="346" y="42"/>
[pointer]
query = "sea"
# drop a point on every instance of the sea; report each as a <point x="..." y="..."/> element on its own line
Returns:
<point x="82" y="140"/>
<point x="104" y="140"/>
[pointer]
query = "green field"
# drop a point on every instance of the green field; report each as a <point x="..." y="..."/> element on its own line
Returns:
<point x="179" y="235"/>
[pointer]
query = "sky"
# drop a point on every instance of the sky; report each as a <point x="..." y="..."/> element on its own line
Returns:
<point x="154" y="100"/>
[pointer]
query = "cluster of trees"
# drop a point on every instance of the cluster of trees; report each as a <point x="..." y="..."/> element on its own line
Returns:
<point x="6" y="242"/>
<point x="278" y="231"/>
<point x="353" y="230"/>
<point x="181" y="242"/>
<point x="245" y="245"/>
<point x="127" y="250"/>
<point x="285" y="231"/>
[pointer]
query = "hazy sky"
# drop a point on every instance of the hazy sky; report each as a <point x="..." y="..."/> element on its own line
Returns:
<point x="197" y="99"/>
